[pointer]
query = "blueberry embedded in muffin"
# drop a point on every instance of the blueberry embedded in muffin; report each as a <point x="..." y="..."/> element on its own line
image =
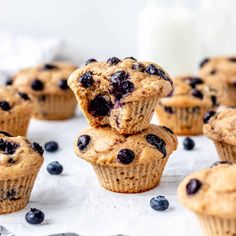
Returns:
<point x="124" y="163"/>
<point x="15" y="110"/>
<point x="47" y="85"/>
<point x="120" y="93"/>
<point x="19" y="165"/>
<point x="220" y="127"/>
<point x="219" y="73"/>
<point x="184" y="108"/>
<point x="210" y="194"/>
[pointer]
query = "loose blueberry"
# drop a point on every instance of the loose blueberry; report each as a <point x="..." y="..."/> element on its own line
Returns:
<point x="90" y="61"/>
<point x="204" y="62"/>
<point x="86" y="80"/>
<point x="9" y="81"/>
<point x="216" y="163"/>
<point x="100" y="106"/>
<point x="193" y="186"/>
<point x="38" y="148"/>
<point x="63" y="84"/>
<point x="24" y="96"/>
<point x="157" y="142"/>
<point x="5" y="106"/>
<point x="193" y="81"/>
<point x="167" y="129"/>
<point x="214" y="100"/>
<point x="54" y="168"/>
<point x="168" y="110"/>
<point x="49" y="67"/>
<point x="83" y="141"/>
<point x="131" y="58"/>
<point x="34" y="216"/>
<point x="196" y="93"/>
<point x="5" y="133"/>
<point x="138" y="67"/>
<point x="188" y="143"/>
<point x="51" y="146"/>
<point x="122" y="88"/>
<point x="159" y="203"/>
<point x="208" y="116"/>
<point x="125" y="156"/>
<point x="37" y="85"/>
<point x="113" y="61"/>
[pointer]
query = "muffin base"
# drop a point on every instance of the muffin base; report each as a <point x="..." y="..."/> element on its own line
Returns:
<point x="183" y="120"/>
<point x="15" y="193"/>
<point x="16" y="124"/>
<point x="216" y="226"/>
<point x="131" y="179"/>
<point x="227" y="152"/>
<point x="54" y="107"/>
<point x="133" y="117"/>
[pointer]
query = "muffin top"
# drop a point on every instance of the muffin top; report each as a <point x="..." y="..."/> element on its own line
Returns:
<point x="114" y="149"/>
<point x="120" y="80"/>
<point x="13" y="101"/>
<point x="211" y="191"/>
<point x="43" y="79"/>
<point x="18" y="156"/>
<point x="190" y="91"/>
<point x="223" y="68"/>
<point x="222" y="126"/>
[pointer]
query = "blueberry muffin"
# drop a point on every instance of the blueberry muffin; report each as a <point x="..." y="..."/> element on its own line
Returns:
<point x="127" y="163"/>
<point x="220" y="73"/>
<point x="19" y="165"/>
<point x="120" y="93"/>
<point x="15" y="111"/>
<point x="184" y="108"/>
<point x="221" y="128"/>
<point x="211" y="195"/>
<point x="47" y="84"/>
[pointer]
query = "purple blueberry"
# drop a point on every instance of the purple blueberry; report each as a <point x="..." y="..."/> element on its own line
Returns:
<point x="157" y="142"/>
<point x="54" y="168"/>
<point x="24" y="96"/>
<point x="63" y="84"/>
<point x="38" y="148"/>
<point x="113" y="61"/>
<point x="5" y="106"/>
<point x="125" y="156"/>
<point x="91" y="60"/>
<point x="83" y="141"/>
<point x="197" y="93"/>
<point x="138" y="67"/>
<point x="208" y="116"/>
<point x="86" y="80"/>
<point x="49" y="67"/>
<point x="193" y="186"/>
<point x="159" y="203"/>
<point x="100" y="106"/>
<point x="204" y="62"/>
<point x="34" y="216"/>
<point x="37" y="85"/>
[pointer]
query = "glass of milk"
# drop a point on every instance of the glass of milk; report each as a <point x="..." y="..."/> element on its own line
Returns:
<point x="168" y="35"/>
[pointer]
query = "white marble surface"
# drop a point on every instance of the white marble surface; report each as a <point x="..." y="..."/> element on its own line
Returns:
<point x="75" y="202"/>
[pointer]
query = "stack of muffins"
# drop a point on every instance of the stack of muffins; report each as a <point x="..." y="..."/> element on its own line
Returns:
<point x="118" y="98"/>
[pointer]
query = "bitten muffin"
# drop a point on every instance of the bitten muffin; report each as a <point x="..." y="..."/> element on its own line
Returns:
<point x="15" y="111"/>
<point x="47" y="84"/>
<point x="120" y="93"/>
<point x="221" y="128"/>
<point x="220" y="73"/>
<point x="127" y="163"/>
<point x="183" y="110"/>
<point x="211" y="195"/>
<point x="19" y="165"/>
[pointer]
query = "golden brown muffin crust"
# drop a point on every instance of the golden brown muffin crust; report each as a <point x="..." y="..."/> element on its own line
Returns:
<point x="104" y="150"/>
<point x="222" y="127"/>
<point x="217" y="194"/>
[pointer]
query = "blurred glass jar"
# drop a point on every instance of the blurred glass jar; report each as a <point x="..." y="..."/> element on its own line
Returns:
<point x="168" y="35"/>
